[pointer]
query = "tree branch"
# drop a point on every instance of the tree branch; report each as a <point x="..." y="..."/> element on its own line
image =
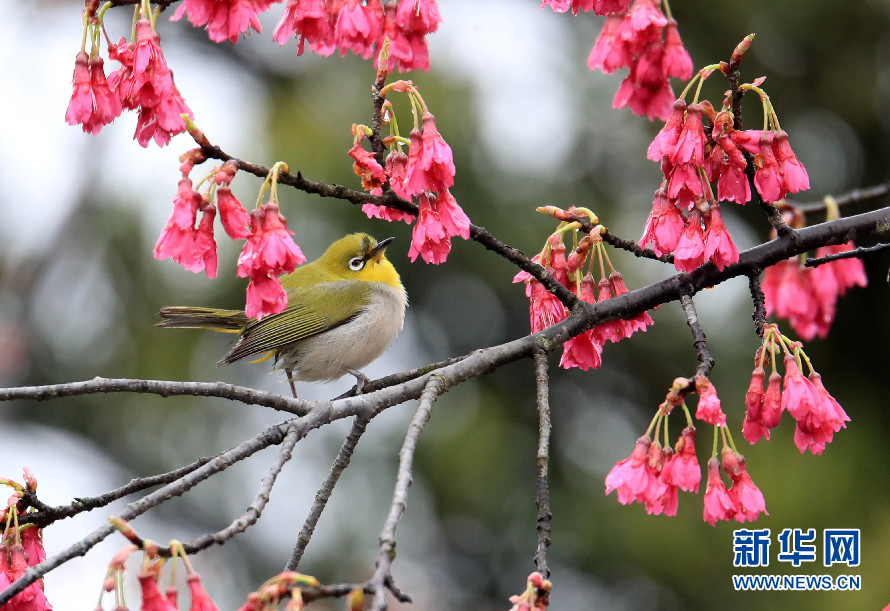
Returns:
<point x="382" y="578"/>
<point x="163" y="388"/>
<point x="542" y="497"/>
<point x="48" y="515"/>
<point x="324" y="493"/>
<point x="255" y="510"/>
<point x="699" y="340"/>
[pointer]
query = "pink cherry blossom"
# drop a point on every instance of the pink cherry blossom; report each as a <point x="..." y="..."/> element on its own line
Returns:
<point x="719" y="247"/>
<point x="630" y="477"/>
<point x="768" y="177"/>
<point x="234" y="217"/>
<point x="719" y="504"/>
<point x="93" y="104"/>
<point x="684" y="471"/>
<point x="265" y="296"/>
<point x="439" y="219"/>
<point x="747" y="496"/>
<point x="201" y="601"/>
<point x="708" y="403"/>
<point x="367" y="167"/>
<point x="430" y="163"/>
<point x="799" y="397"/>
<point x="418" y="16"/>
<point x="664" y="226"/>
<point x="690" y="251"/>
<point x="225" y="19"/>
<point x="794" y="175"/>
<point x="269" y="249"/>
<point x="310" y="21"/>
<point x="665" y="142"/>
<point x="358" y="27"/>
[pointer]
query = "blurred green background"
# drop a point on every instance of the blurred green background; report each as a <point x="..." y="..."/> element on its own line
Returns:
<point x="529" y="126"/>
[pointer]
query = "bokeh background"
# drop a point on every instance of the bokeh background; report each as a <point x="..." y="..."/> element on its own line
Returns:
<point x="529" y="126"/>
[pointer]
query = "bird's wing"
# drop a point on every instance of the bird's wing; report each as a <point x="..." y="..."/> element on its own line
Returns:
<point x="308" y="313"/>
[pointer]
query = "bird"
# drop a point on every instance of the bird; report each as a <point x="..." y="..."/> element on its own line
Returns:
<point x="343" y="310"/>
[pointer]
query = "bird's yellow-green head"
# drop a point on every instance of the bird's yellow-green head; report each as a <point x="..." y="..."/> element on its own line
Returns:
<point x="357" y="256"/>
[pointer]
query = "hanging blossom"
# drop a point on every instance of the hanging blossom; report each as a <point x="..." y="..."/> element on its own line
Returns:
<point x="807" y="296"/>
<point x="268" y="253"/>
<point x="699" y="162"/>
<point x="425" y="173"/>
<point x="817" y="414"/>
<point x="585" y="349"/>
<point x="152" y="599"/>
<point x="224" y="19"/>
<point x="144" y="83"/>
<point x="21" y="547"/>
<point x="654" y="473"/>
<point x="646" y="41"/>
<point x="352" y="26"/>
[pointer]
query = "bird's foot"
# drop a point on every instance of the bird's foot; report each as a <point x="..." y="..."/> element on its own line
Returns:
<point x="290" y="380"/>
<point x="360" y="380"/>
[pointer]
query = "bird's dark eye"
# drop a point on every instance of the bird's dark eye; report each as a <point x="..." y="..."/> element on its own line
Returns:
<point x="356" y="263"/>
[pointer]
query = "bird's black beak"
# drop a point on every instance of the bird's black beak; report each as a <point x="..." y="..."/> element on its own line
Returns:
<point x="381" y="246"/>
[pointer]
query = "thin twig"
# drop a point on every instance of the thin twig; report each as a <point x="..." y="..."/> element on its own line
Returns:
<point x="272" y="436"/>
<point x="759" y="299"/>
<point x="856" y="196"/>
<point x="359" y="424"/>
<point x="255" y="510"/>
<point x="542" y="497"/>
<point x="382" y="578"/>
<point x="699" y="340"/>
<point x="856" y="253"/>
<point x="48" y="515"/>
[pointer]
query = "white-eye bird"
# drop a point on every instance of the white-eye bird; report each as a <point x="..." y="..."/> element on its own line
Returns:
<point x="344" y="309"/>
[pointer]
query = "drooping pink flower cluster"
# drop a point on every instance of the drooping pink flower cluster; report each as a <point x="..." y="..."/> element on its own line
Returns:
<point x="692" y="158"/>
<point x="192" y="247"/>
<point x="584" y="350"/>
<point x="285" y="584"/>
<point x="225" y="19"/>
<point x="742" y="501"/>
<point x="358" y="27"/>
<point x="93" y="104"/>
<point x="807" y="296"/>
<point x="818" y="415"/>
<point x="21" y="547"/>
<point x="644" y="40"/>
<point x="652" y="475"/>
<point x="149" y="577"/>
<point x="600" y="7"/>
<point x="427" y="173"/>
<point x="268" y="253"/>
<point x="143" y="83"/>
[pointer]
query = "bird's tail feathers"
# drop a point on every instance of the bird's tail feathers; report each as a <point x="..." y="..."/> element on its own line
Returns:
<point x="215" y="319"/>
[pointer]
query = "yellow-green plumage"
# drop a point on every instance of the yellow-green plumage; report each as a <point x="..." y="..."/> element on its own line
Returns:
<point x="343" y="310"/>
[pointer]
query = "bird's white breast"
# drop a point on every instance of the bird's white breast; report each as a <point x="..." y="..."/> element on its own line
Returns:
<point x="352" y="345"/>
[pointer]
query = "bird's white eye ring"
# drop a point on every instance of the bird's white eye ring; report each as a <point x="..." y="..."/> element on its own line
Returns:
<point x="356" y="263"/>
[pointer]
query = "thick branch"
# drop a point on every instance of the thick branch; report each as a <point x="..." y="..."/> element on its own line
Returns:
<point x="164" y="388"/>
